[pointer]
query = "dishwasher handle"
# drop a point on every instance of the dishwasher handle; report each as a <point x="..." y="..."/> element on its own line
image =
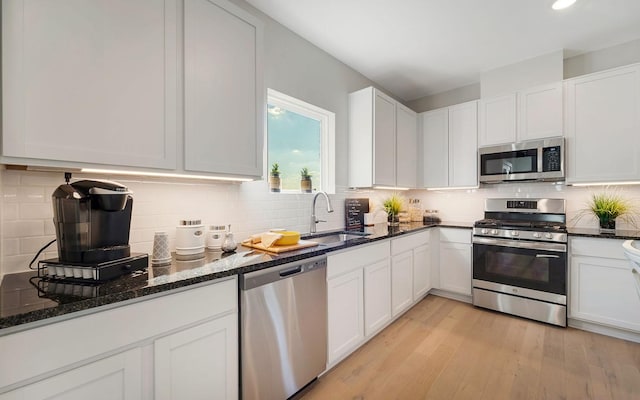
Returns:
<point x="291" y="271"/>
<point x="251" y="280"/>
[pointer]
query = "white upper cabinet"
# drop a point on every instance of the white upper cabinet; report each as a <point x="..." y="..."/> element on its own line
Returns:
<point x="531" y="113"/>
<point x="540" y="112"/>
<point x="382" y="141"/>
<point x="497" y="120"/>
<point x="450" y="146"/>
<point x="224" y="93"/>
<point x="435" y="148"/>
<point x="463" y="144"/>
<point x="406" y="151"/>
<point x="95" y="82"/>
<point x="90" y="81"/>
<point x="602" y="123"/>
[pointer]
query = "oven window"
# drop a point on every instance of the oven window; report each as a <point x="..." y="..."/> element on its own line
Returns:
<point x="518" y="266"/>
<point x="512" y="162"/>
<point x="527" y="268"/>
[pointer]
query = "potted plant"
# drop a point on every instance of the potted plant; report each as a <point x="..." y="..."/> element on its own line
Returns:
<point x="274" y="178"/>
<point x="305" y="180"/>
<point x="392" y="206"/>
<point x="607" y="207"/>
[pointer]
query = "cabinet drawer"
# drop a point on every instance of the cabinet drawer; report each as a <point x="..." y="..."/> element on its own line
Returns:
<point x="409" y="242"/>
<point x="591" y="247"/>
<point x="41" y="350"/>
<point x="341" y="263"/>
<point x="455" y="235"/>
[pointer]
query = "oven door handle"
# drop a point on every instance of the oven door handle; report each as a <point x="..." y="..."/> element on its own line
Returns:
<point x="547" y="256"/>
<point x="521" y="244"/>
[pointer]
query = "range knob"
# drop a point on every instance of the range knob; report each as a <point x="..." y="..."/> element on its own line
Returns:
<point x="515" y="233"/>
<point x="548" y="235"/>
<point x="494" y="231"/>
<point x="537" y="235"/>
<point x="484" y="231"/>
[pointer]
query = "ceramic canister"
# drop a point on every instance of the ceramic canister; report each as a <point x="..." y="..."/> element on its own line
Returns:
<point x="215" y="236"/>
<point x="190" y="237"/>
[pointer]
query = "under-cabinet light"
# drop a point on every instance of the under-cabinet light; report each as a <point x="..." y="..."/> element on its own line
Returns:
<point x="390" y="188"/>
<point x="454" y="188"/>
<point x="562" y="4"/>
<point x="163" y="175"/>
<point x="606" y="183"/>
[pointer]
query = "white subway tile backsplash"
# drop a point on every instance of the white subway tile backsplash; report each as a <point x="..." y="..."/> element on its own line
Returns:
<point x="23" y="228"/>
<point x="10" y="211"/>
<point x="35" y="211"/>
<point x="11" y="247"/>
<point x="27" y="215"/>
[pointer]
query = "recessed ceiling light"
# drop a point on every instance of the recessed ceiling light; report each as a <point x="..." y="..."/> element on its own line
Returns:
<point x="562" y="4"/>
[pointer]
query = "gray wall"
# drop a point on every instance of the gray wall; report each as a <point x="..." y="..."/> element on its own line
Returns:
<point x="297" y="68"/>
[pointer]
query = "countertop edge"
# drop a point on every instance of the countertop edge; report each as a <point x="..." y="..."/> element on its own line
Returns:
<point x="37" y="316"/>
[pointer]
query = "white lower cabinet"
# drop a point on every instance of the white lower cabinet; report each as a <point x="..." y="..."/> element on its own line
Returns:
<point x="188" y="340"/>
<point x="377" y="295"/>
<point x="345" y="311"/>
<point x="401" y="282"/>
<point x="410" y="270"/>
<point x="371" y="285"/>
<point x="455" y="260"/>
<point x="199" y="362"/>
<point x="602" y="288"/>
<point x="358" y="295"/>
<point x="115" y="377"/>
<point x="421" y="270"/>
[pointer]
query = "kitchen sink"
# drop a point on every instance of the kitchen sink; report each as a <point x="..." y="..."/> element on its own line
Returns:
<point x="336" y="237"/>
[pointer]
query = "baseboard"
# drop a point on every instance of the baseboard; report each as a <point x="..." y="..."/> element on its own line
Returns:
<point x="450" y="295"/>
<point x="604" y="330"/>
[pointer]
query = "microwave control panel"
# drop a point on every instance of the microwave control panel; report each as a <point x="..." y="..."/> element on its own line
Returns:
<point x="551" y="158"/>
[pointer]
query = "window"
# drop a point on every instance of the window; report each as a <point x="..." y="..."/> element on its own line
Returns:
<point x="300" y="135"/>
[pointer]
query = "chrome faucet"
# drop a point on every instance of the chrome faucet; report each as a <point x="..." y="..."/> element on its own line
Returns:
<point x="314" y="220"/>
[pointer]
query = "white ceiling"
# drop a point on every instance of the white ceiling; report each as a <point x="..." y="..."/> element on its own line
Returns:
<point x="414" y="48"/>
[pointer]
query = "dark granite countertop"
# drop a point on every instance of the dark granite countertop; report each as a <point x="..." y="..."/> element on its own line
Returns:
<point x="25" y="298"/>
<point x="595" y="233"/>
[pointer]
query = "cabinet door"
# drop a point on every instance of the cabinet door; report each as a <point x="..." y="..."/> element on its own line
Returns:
<point x="421" y="271"/>
<point x="224" y="94"/>
<point x="401" y="282"/>
<point x="90" y="81"/>
<point x="407" y="151"/>
<point x="199" y="362"/>
<point x="384" y="140"/>
<point x="497" y="120"/>
<point x="602" y="122"/>
<point x="377" y="296"/>
<point x="435" y="148"/>
<point x="345" y="314"/>
<point x="455" y="267"/>
<point x="116" y="377"/>
<point x="540" y="112"/>
<point x="463" y="145"/>
<point x="603" y="291"/>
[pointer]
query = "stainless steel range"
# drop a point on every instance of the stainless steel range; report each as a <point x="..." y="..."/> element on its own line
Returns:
<point x="520" y="259"/>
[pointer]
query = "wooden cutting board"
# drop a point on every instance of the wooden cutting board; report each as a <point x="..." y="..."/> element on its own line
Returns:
<point x="302" y="244"/>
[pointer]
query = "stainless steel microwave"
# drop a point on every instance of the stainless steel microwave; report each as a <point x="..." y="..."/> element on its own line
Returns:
<point x="534" y="160"/>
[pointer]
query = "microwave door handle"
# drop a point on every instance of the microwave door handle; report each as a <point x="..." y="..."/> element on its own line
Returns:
<point x="547" y="256"/>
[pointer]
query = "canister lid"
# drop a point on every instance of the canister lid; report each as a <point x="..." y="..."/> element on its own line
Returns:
<point x="217" y="227"/>
<point x="190" y="222"/>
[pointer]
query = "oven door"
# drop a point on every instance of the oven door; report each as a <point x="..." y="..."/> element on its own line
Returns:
<point x="537" y="266"/>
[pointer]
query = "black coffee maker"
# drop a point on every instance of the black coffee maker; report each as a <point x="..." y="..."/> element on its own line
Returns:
<point x="92" y="220"/>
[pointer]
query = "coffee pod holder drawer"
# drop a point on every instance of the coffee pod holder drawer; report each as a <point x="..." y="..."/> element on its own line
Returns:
<point x="55" y="270"/>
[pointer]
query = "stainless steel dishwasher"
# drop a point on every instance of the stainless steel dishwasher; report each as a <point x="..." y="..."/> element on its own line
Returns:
<point x="283" y="332"/>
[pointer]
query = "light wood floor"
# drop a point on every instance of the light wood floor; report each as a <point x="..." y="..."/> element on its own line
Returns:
<point x="444" y="349"/>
